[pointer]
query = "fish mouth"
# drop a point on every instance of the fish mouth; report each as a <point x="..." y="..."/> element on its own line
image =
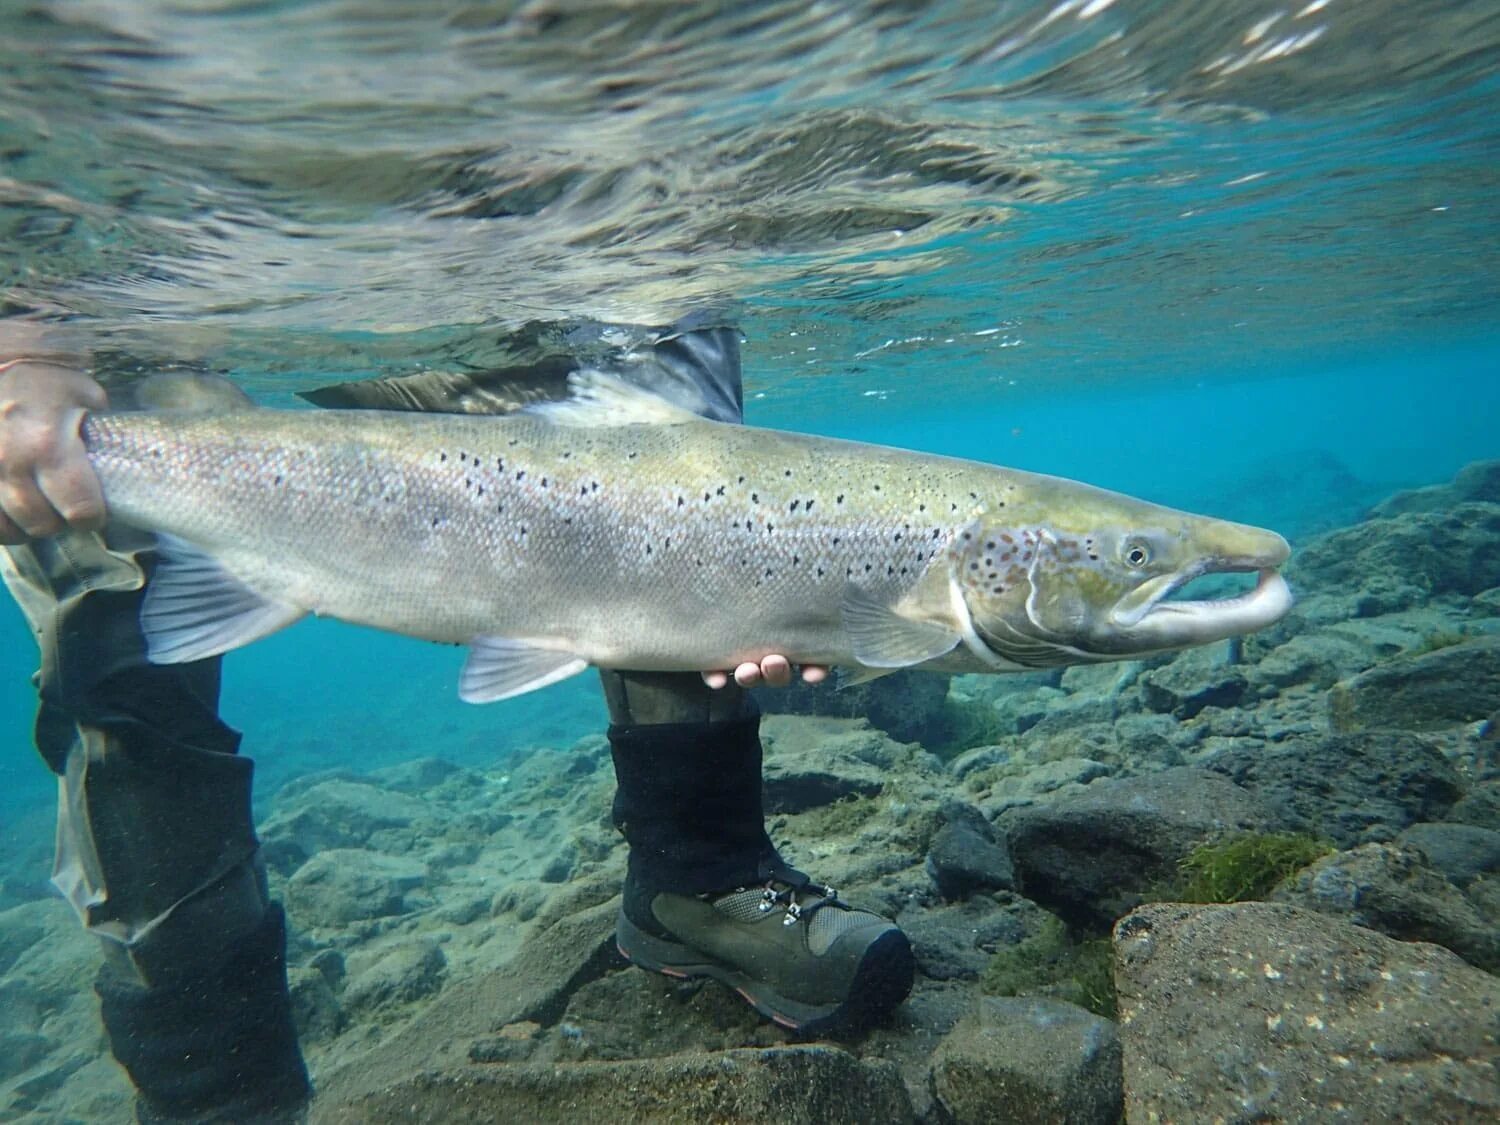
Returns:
<point x="1145" y="614"/>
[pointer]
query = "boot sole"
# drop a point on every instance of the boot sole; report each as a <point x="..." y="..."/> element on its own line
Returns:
<point x="883" y="980"/>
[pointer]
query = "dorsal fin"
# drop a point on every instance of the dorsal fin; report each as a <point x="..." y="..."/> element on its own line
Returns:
<point x="601" y="399"/>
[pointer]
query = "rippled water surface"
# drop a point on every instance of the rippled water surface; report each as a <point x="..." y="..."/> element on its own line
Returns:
<point x="1084" y="189"/>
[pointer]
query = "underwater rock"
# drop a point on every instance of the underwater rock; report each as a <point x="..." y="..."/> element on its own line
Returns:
<point x="421" y="774"/>
<point x="1197" y="679"/>
<point x="1462" y="852"/>
<point x="966" y="855"/>
<point x="392" y="975"/>
<point x="964" y="859"/>
<point x="1394" y="890"/>
<point x="957" y="941"/>
<point x="347" y="885"/>
<point x="1478" y="480"/>
<point x="812" y="762"/>
<point x="812" y="1085"/>
<point x="1420" y="691"/>
<point x="339" y="812"/>
<point x="1023" y="789"/>
<point x="1264" y="1012"/>
<point x="1029" y="1061"/>
<point x="1090" y="855"/>
<point x="906" y="704"/>
<point x="1385" y="565"/>
<point x="1348" y="787"/>
<point x="315" y="1007"/>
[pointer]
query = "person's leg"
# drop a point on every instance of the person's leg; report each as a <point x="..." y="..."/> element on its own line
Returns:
<point x="706" y="893"/>
<point x="156" y="848"/>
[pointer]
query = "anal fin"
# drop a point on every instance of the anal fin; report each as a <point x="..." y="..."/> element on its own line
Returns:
<point x="195" y="609"/>
<point x="501" y="667"/>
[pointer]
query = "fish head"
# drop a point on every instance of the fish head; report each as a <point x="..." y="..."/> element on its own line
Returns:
<point x="1094" y="580"/>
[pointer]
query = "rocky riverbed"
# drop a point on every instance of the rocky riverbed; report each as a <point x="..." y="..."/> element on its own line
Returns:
<point x="452" y="943"/>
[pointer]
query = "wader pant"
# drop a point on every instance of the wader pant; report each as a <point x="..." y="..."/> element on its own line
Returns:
<point x="156" y="846"/>
<point x="688" y="775"/>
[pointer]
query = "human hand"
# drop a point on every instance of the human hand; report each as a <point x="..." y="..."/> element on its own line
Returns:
<point x="46" y="481"/>
<point x="774" y="671"/>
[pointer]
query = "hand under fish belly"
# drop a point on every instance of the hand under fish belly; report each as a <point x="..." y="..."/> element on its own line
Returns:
<point x="618" y="530"/>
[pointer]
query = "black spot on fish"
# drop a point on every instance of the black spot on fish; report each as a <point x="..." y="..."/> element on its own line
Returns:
<point x="768" y="572"/>
<point x="877" y="488"/>
<point x="434" y="521"/>
<point x="515" y="441"/>
<point x="499" y="464"/>
<point x="740" y="481"/>
<point x="566" y="454"/>
<point x="786" y="472"/>
<point x="973" y="496"/>
<point x="719" y="491"/>
<point x="442" y="457"/>
<point x="836" y="540"/>
<point x="499" y="507"/>
<point x="953" y="507"/>
<point x="680" y="501"/>
<point x="794" y="505"/>
<point x="935" y="533"/>
<point x="462" y="456"/>
<point x="755" y="498"/>
<point x="897" y="539"/>
<point x="796" y="560"/>
<point x="770" y="527"/>
<point x="468" y="483"/>
<point x="903" y="570"/>
<point x="583" y="490"/>
<point x="544" y="482"/>
<point x="869" y="567"/>
<point x="632" y="456"/>
<point x="921" y="507"/>
<point x="973" y="566"/>
<point x="990" y="546"/>
<point x="648" y="548"/>
<point x="480" y="490"/>
<point x="889" y="570"/>
<point x="521" y="474"/>
<point x="839" y="499"/>
<point x="278" y="478"/>
<point x="809" y="505"/>
<point x="705" y="497"/>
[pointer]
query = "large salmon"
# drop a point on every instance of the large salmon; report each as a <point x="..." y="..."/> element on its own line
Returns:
<point x="619" y="530"/>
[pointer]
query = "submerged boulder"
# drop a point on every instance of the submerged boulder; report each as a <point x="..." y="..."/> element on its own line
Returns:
<point x="1459" y="683"/>
<point x="1029" y="1061"/>
<point x="1393" y="889"/>
<point x="1348" y="787"/>
<point x="345" y="885"/>
<point x="1264" y="1012"/>
<point x="811" y="1085"/>
<point x="1092" y="855"/>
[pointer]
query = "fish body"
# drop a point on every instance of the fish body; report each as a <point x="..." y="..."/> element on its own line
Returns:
<point x="640" y="536"/>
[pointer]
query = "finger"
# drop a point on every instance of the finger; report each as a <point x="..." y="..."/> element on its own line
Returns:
<point x="70" y="486"/>
<point x="747" y="674"/>
<point x="716" y="680"/>
<point x="28" y="509"/>
<point x="814" y="673"/>
<point x="777" y="670"/>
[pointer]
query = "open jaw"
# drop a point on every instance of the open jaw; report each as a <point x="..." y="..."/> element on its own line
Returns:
<point x="1146" y="615"/>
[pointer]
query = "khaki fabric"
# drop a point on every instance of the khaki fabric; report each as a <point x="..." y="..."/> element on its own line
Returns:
<point x="156" y="848"/>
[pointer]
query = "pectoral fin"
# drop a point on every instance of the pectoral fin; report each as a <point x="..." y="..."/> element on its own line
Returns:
<point x="882" y="638"/>
<point x="194" y="608"/>
<point x="500" y="667"/>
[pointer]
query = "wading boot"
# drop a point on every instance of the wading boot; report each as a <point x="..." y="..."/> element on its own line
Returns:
<point x="707" y="894"/>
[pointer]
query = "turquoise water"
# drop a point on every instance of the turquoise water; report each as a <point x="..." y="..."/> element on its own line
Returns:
<point x="1234" y="257"/>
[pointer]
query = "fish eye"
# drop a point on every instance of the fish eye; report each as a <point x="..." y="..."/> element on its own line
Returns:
<point x="1137" y="554"/>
